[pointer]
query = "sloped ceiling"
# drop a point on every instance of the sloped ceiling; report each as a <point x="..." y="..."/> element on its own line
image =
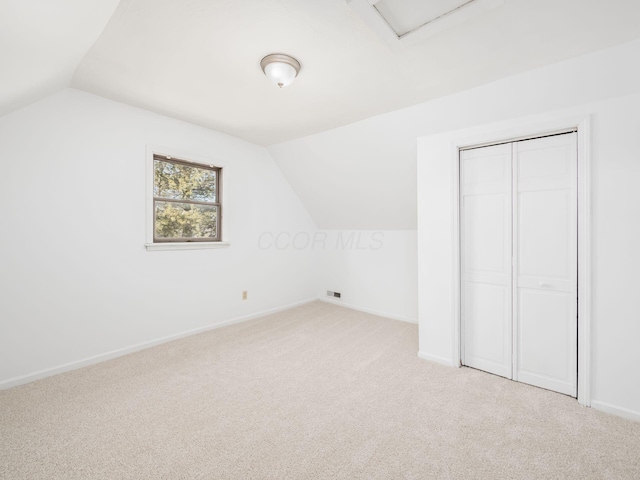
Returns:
<point x="362" y="176"/>
<point x="41" y="44"/>
<point x="198" y="60"/>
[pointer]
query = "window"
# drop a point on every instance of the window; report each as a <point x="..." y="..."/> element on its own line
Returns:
<point x="186" y="201"/>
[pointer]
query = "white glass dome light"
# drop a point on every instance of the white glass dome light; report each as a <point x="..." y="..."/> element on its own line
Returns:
<point x="281" y="69"/>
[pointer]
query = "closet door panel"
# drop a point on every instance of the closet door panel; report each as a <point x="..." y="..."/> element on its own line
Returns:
<point x="544" y="338"/>
<point x="486" y="259"/>
<point x="483" y="223"/>
<point x="487" y="327"/>
<point x="545" y="263"/>
<point x="544" y="233"/>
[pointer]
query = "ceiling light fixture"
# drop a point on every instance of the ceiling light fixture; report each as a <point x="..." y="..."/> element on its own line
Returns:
<point x="281" y="69"/>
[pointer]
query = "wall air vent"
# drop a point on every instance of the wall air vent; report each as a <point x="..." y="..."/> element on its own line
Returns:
<point x="404" y="21"/>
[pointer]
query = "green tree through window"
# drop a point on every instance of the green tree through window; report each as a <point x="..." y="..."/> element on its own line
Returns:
<point x="186" y="201"/>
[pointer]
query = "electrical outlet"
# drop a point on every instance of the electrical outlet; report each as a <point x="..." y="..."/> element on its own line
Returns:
<point x="336" y="294"/>
<point x="329" y="293"/>
<point x="244" y="295"/>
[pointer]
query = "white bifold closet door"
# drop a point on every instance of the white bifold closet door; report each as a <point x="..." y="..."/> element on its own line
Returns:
<point x="518" y="230"/>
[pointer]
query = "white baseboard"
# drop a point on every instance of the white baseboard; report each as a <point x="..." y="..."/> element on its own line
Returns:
<point x="435" y="358"/>
<point x="368" y="310"/>
<point x="31" y="377"/>
<point x="618" y="411"/>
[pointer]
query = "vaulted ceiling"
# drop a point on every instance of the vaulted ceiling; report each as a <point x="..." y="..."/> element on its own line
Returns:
<point x="198" y="60"/>
<point x="41" y="44"/>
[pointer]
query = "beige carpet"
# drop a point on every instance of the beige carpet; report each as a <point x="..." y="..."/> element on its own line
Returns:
<point x="314" y="392"/>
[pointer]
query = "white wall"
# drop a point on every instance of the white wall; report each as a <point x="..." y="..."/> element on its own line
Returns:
<point x="77" y="281"/>
<point x="615" y="236"/>
<point x="374" y="271"/>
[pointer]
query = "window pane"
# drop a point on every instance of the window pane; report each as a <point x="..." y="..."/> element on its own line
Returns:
<point x="183" y="182"/>
<point x="183" y="220"/>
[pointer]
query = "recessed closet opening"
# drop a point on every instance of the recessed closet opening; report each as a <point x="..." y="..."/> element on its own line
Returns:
<point x="519" y="257"/>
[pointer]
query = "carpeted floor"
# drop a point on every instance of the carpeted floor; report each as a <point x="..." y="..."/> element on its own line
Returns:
<point x="314" y="392"/>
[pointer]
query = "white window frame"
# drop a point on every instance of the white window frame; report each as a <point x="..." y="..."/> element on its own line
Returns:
<point x="196" y="160"/>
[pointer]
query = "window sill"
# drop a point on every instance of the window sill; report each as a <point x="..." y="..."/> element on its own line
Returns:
<point x="185" y="245"/>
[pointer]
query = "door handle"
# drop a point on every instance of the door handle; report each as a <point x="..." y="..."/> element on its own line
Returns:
<point x="544" y="285"/>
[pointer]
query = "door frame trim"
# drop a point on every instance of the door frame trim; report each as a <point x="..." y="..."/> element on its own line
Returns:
<point x="491" y="135"/>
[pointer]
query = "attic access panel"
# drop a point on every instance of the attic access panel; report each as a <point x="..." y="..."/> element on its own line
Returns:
<point x="404" y="16"/>
<point x="402" y="22"/>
